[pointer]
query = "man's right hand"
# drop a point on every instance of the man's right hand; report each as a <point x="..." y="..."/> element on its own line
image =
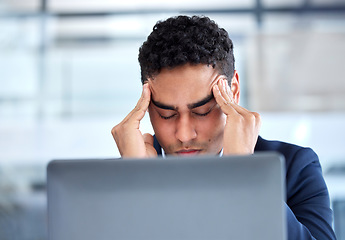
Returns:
<point x="128" y="138"/>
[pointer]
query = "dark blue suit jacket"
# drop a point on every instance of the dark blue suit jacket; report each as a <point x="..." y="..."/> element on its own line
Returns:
<point x="307" y="202"/>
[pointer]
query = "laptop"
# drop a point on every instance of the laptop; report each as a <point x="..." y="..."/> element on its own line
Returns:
<point x="192" y="198"/>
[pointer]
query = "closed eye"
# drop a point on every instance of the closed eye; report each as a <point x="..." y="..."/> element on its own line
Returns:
<point x="167" y="117"/>
<point x="202" y="114"/>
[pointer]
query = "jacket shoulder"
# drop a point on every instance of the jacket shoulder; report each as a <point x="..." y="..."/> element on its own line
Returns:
<point x="291" y="152"/>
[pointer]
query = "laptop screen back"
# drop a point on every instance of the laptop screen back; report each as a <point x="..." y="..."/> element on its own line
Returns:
<point x="238" y="197"/>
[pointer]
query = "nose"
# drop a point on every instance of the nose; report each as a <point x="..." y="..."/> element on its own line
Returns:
<point x="185" y="129"/>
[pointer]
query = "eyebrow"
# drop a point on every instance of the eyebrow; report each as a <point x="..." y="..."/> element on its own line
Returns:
<point x="190" y="106"/>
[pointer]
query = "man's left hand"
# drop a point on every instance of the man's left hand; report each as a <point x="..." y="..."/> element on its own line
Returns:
<point x="242" y="126"/>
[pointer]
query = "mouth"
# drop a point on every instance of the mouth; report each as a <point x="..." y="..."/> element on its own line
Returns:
<point x="188" y="152"/>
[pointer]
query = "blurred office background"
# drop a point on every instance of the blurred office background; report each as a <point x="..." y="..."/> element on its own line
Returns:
<point x="69" y="73"/>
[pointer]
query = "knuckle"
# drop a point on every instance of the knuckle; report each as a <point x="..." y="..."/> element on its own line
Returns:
<point x="115" y="130"/>
<point x="224" y="104"/>
<point x="239" y="118"/>
<point x="251" y="118"/>
<point x="139" y="108"/>
<point x="141" y="111"/>
<point x="256" y="116"/>
<point x="247" y="119"/>
<point x="118" y="130"/>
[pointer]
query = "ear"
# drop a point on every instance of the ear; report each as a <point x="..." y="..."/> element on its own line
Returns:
<point x="235" y="87"/>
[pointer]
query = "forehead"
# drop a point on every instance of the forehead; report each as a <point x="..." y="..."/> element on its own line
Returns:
<point x="183" y="85"/>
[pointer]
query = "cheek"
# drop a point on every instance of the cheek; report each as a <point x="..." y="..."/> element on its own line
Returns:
<point x="216" y="119"/>
<point x="213" y="127"/>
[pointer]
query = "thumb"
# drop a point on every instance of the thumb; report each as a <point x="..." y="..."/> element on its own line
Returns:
<point x="135" y="116"/>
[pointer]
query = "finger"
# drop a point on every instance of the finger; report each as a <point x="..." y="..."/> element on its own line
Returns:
<point x="223" y="96"/>
<point x="257" y="119"/>
<point x="241" y="110"/>
<point x="144" y="100"/>
<point x="142" y="105"/>
<point x="222" y="82"/>
<point x="223" y="101"/>
<point x="225" y="89"/>
<point x="229" y="92"/>
<point x="227" y="95"/>
<point x="148" y="139"/>
<point x="150" y="150"/>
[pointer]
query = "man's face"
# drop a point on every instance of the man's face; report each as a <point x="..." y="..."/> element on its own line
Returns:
<point x="184" y="114"/>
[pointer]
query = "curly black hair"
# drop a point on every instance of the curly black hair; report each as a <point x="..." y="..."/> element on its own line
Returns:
<point x="183" y="39"/>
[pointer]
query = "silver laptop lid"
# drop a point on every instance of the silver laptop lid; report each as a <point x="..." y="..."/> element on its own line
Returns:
<point x="237" y="197"/>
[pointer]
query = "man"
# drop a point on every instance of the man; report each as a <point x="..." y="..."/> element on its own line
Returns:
<point x="191" y="91"/>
